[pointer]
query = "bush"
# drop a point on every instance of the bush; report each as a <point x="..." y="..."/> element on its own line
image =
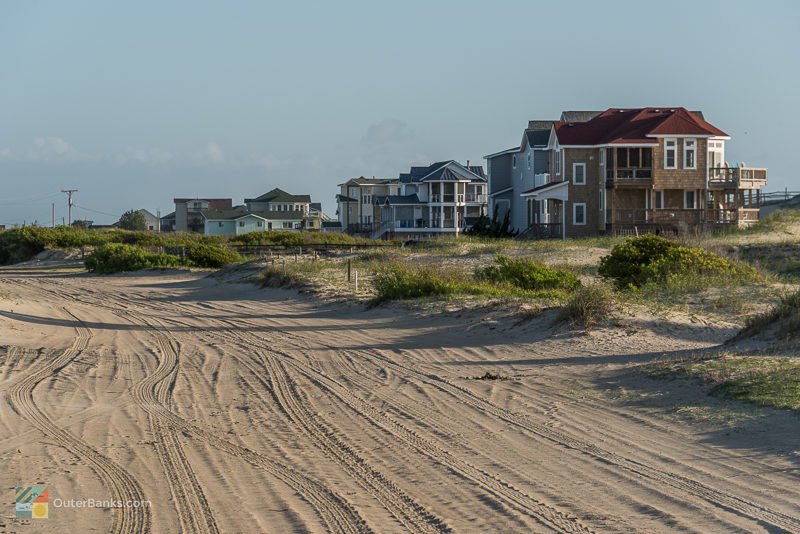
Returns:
<point x="397" y="282"/>
<point x="119" y="257"/>
<point x="525" y="273"/>
<point x="590" y="305"/>
<point x="650" y="258"/>
<point x="214" y="256"/>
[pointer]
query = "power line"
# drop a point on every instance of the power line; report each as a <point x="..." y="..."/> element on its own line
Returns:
<point x="98" y="212"/>
<point x="69" y="203"/>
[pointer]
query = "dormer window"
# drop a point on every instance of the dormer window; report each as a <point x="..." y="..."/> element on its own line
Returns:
<point x="670" y="153"/>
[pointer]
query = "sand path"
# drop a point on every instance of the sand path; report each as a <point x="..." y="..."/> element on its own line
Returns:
<point x="235" y="409"/>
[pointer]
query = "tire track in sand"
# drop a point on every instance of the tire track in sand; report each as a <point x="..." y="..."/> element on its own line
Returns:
<point x="153" y="394"/>
<point x="122" y="485"/>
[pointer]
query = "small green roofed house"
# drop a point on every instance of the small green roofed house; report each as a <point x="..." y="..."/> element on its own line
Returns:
<point x="279" y="200"/>
<point x="233" y="222"/>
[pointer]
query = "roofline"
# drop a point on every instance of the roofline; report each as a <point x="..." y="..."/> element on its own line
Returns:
<point x="682" y="136"/>
<point x="503" y="152"/>
<point x="543" y="189"/>
<point x="502" y="191"/>
<point x="609" y="145"/>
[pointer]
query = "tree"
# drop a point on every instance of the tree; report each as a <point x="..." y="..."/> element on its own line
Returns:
<point x="133" y="220"/>
<point x="483" y="227"/>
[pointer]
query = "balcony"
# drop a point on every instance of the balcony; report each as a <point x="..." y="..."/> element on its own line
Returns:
<point x="474" y="197"/>
<point x="631" y="177"/>
<point x="736" y="178"/>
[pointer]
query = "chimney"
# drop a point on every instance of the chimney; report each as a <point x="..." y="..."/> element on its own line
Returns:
<point x="468" y="164"/>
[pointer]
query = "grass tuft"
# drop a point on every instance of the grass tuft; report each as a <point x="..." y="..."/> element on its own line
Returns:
<point x="590" y="305"/>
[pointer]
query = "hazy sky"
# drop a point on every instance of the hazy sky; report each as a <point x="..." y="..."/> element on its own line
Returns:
<point x="135" y="103"/>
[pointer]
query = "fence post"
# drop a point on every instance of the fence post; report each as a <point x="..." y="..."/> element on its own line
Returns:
<point x="356" y="281"/>
<point x="348" y="269"/>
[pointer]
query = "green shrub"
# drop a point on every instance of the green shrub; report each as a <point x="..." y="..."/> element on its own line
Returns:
<point x="119" y="257"/>
<point x="398" y="282"/>
<point x="214" y="256"/>
<point x="590" y="305"/>
<point x="650" y="258"/>
<point x="525" y="273"/>
<point x="275" y="237"/>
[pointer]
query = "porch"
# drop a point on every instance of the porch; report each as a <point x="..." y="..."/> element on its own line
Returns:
<point x="736" y="178"/>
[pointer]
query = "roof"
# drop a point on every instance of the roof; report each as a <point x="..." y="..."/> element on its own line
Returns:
<point x="579" y="116"/>
<point x="538" y="137"/>
<point x="398" y="200"/>
<point x="181" y="200"/>
<point x="539" y="124"/>
<point x="370" y="181"/>
<point x="624" y="126"/>
<point x="502" y="153"/>
<point x="444" y="171"/>
<point x="331" y="224"/>
<point x="270" y="215"/>
<point x="279" y="195"/>
<point x="345" y="198"/>
<point x="169" y="215"/>
<point x="544" y="187"/>
<point x="146" y="213"/>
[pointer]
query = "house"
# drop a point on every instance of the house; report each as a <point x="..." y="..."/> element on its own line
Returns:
<point x="279" y="200"/>
<point x="332" y="226"/>
<point x="168" y="222"/>
<point x="440" y="199"/>
<point x="189" y="212"/>
<point x="625" y="171"/>
<point x="356" y="210"/>
<point x="236" y="222"/>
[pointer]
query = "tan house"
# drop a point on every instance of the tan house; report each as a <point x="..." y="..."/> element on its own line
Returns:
<point x="356" y="210"/>
<point x="628" y="171"/>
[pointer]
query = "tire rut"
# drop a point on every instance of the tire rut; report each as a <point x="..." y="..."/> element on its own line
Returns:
<point x="122" y="485"/>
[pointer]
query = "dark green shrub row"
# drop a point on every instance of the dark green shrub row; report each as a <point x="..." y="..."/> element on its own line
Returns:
<point x="650" y="258"/>
<point x="525" y="273"/>
<point x="119" y="257"/>
<point x="274" y="237"/>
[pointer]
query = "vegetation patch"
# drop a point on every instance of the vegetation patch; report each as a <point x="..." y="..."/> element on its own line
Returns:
<point x="525" y="273"/>
<point x="290" y="274"/>
<point x="119" y="257"/>
<point x="274" y="237"/>
<point x="651" y="259"/>
<point x="212" y="256"/>
<point x="785" y="317"/>
<point x="590" y="305"/>
<point x="762" y="380"/>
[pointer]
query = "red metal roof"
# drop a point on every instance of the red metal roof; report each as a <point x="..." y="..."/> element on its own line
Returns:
<point x="621" y="126"/>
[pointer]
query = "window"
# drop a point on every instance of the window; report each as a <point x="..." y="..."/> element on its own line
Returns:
<point x="514" y="161"/>
<point x="670" y="151"/>
<point x="579" y="173"/>
<point x="220" y="224"/>
<point x="689" y="151"/>
<point x="602" y="156"/>
<point x="634" y="157"/>
<point x="260" y="224"/>
<point x="558" y="163"/>
<point x="309" y="224"/>
<point x="529" y="161"/>
<point x="579" y="213"/>
<point x="689" y="203"/>
<point x="241" y="223"/>
<point x="659" y="200"/>
<point x="287" y="225"/>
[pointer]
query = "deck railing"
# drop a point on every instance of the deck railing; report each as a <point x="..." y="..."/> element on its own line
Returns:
<point x="737" y="176"/>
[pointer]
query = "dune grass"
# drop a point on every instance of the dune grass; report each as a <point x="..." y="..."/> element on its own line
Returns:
<point x="763" y="380"/>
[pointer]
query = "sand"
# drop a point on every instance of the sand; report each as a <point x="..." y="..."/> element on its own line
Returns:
<point x="236" y="409"/>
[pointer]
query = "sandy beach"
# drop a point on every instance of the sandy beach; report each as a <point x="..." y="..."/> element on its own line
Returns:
<point x="231" y="408"/>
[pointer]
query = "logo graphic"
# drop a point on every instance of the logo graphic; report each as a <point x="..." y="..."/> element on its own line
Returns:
<point x="31" y="502"/>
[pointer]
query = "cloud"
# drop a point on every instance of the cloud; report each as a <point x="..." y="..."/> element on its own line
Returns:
<point x="145" y="156"/>
<point x="387" y="131"/>
<point x="214" y="153"/>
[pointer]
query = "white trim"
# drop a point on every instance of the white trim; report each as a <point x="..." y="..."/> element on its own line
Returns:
<point x="675" y="156"/>
<point x="502" y="153"/>
<point x="686" y="150"/>
<point x="611" y="145"/>
<point x="574" y="167"/>
<point x="694" y="199"/>
<point x="603" y="157"/>
<point x="574" y="213"/>
<point x="680" y="136"/>
<point x="506" y="190"/>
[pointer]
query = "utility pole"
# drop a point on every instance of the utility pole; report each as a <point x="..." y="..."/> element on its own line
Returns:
<point x="53" y="214"/>
<point x="69" y="202"/>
